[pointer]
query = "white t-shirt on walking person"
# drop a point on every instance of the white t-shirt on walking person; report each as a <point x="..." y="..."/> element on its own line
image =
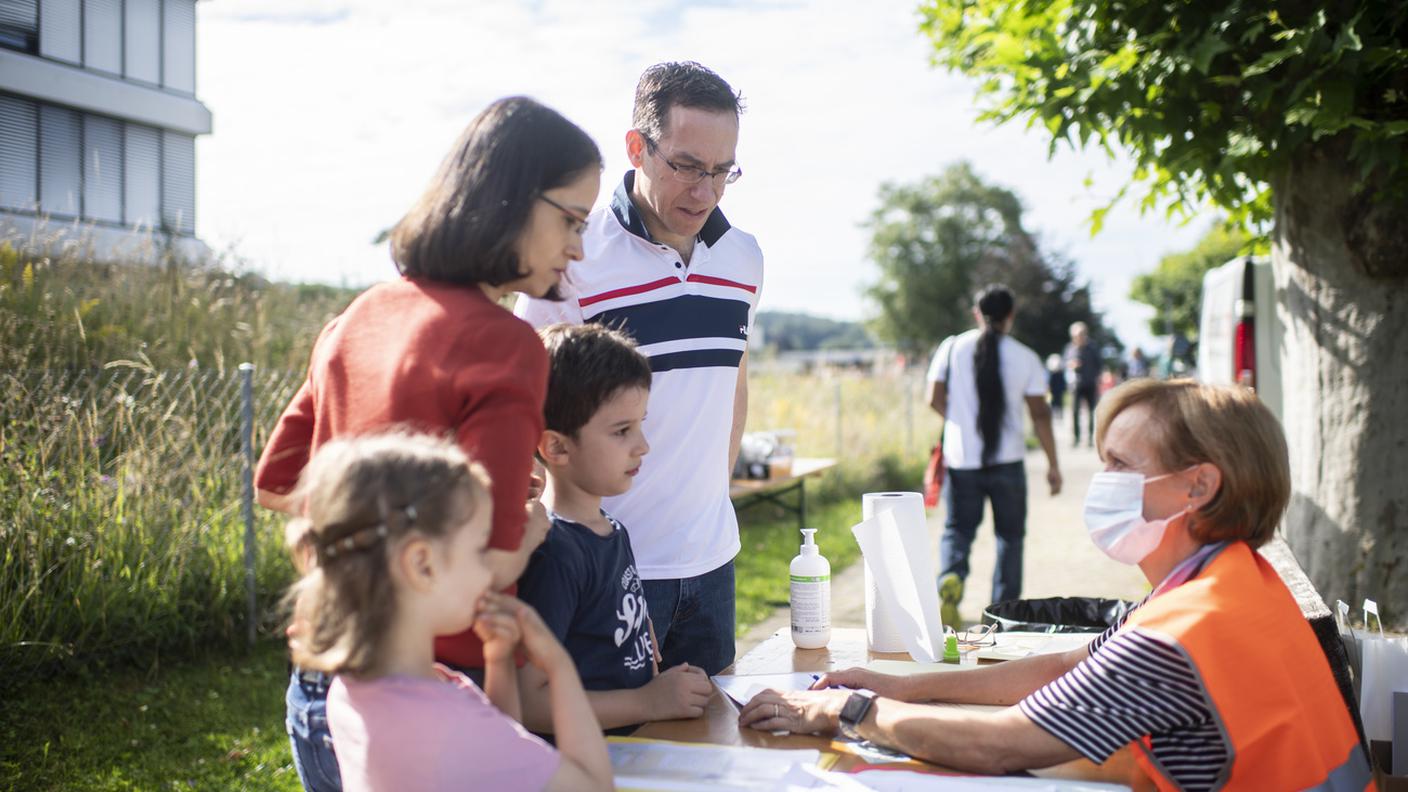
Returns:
<point x="1022" y="375"/>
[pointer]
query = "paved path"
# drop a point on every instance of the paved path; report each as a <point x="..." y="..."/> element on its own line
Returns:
<point x="1060" y="559"/>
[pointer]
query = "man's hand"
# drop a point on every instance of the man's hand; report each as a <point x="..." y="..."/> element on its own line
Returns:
<point x="807" y="712"/>
<point x="885" y="685"/>
<point x="679" y="692"/>
<point x="1053" y="478"/>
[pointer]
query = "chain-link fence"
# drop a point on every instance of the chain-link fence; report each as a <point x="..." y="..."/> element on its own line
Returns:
<point x="124" y="513"/>
<point x="125" y="520"/>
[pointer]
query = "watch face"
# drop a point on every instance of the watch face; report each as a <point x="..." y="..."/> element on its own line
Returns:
<point x="853" y="712"/>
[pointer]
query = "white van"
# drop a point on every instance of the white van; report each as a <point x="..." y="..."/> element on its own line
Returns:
<point x="1239" y="336"/>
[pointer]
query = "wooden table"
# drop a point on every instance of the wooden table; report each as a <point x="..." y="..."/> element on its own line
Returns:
<point x="776" y="655"/>
<point x="771" y="490"/>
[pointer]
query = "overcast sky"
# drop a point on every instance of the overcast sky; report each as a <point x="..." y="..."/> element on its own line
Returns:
<point x="331" y="115"/>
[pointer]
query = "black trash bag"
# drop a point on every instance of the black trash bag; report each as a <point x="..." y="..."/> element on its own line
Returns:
<point x="1056" y="614"/>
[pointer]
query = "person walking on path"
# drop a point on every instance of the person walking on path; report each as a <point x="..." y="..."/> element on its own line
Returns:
<point x="1083" y="361"/>
<point x="978" y="382"/>
<point x="664" y="265"/>
<point x="1056" y="383"/>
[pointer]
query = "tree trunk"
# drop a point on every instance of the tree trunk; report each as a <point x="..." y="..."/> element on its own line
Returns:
<point x="1340" y="258"/>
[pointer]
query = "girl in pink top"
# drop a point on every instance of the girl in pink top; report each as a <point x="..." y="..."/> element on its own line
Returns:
<point x="395" y="536"/>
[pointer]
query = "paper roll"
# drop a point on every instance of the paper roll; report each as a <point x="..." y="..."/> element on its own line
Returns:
<point x="901" y="595"/>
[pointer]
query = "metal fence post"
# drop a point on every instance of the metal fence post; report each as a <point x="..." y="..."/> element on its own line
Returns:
<point x="247" y="494"/>
<point x="909" y="397"/>
<point x="839" y="413"/>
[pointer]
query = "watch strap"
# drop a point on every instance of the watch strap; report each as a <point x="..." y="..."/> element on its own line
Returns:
<point x="855" y="709"/>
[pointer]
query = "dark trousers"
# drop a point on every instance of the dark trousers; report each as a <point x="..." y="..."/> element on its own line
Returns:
<point x="1005" y="486"/>
<point x="694" y="619"/>
<point x="1089" y="395"/>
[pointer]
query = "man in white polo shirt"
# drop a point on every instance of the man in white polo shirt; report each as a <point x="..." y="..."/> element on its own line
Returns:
<point x="663" y="264"/>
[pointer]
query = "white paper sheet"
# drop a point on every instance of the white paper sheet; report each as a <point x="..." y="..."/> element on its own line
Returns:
<point x="659" y="765"/>
<point x="895" y="545"/>
<point x="743" y="687"/>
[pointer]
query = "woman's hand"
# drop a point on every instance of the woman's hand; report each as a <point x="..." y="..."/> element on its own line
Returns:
<point x="886" y="685"/>
<point x="807" y="712"/>
<point x="496" y="624"/>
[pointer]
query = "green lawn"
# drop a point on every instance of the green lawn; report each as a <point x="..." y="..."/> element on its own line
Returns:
<point x="212" y="723"/>
<point x="770" y="541"/>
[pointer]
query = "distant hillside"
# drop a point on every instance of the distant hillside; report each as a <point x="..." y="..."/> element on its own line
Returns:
<point x="789" y="332"/>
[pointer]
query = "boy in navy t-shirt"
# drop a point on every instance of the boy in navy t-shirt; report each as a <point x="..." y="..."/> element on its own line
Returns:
<point x="582" y="579"/>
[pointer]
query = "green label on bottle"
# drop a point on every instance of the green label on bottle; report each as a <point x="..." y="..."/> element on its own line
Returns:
<point x="810" y="579"/>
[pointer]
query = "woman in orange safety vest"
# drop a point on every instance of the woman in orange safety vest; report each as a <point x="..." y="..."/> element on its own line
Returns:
<point x="1214" y="681"/>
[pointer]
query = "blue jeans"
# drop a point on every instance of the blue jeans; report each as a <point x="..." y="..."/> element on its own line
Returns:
<point x="1006" y="487"/>
<point x="307" y="724"/>
<point x="694" y="619"/>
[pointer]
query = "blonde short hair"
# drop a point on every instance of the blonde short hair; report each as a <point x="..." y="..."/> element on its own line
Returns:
<point x="1226" y="426"/>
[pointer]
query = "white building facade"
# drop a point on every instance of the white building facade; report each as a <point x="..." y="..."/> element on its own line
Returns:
<point x="98" y="121"/>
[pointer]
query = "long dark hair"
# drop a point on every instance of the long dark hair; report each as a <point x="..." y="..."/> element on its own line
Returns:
<point x="465" y="227"/>
<point x="995" y="304"/>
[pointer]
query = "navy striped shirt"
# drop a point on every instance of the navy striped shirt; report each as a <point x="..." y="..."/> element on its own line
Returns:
<point x="1136" y="683"/>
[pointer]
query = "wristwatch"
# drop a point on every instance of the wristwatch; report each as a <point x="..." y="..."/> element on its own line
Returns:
<point x="854" y="711"/>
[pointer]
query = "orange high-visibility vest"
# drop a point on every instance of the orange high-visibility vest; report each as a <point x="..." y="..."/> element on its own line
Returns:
<point x="1267" y="681"/>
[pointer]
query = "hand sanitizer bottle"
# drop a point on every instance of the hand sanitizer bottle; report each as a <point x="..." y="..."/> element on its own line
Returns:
<point x="811" y="595"/>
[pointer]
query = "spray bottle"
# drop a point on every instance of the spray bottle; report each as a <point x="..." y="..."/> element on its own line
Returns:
<point x="811" y="595"/>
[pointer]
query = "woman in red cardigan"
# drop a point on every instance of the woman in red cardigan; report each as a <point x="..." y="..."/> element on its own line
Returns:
<point x="434" y="351"/>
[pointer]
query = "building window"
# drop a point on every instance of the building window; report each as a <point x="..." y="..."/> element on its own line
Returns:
<point x="60" y="176"/>
<point x="141" y="186"/>
<point x="19" y="154"/>
<point x="19" y="24"/>
<point x="178" y="46"/>
<point x="61" y="30"/>
<point x="68" y="164"/>
<point x="102" y="169"/>
<point x="102" y="35"/>
<point x="178" y="182"/>
<point x="142" y="40"/>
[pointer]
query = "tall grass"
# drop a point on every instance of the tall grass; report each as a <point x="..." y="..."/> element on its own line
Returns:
<point x="120" y="462"/>
<point x="120" y="529"/>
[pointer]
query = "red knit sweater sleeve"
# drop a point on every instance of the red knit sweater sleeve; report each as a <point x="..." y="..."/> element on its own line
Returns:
<point x="502" y="420"/>
<point x="286" y="453"/>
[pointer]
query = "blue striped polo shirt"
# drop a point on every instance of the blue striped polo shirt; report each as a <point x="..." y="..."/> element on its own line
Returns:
<point x="692" y="322"/>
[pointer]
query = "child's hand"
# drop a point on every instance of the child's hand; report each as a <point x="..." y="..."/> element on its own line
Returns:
<point x="496" y="624"/>
<point x="679" y="692"/>
<point x="541" y="646"/>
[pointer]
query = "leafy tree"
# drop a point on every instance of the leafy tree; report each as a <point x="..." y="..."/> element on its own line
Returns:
<point x="1293" y="118"/>
<point x="938" y="241"/>
<point x="1175" y="287"/>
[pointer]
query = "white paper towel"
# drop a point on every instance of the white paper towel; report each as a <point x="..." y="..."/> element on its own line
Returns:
<point x="901" y="595"/>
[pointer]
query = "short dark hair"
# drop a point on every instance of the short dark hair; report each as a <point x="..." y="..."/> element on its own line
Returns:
<point x="587" y="365"/>
<point x="682" y="83"/>
<point x="465" y="227"/>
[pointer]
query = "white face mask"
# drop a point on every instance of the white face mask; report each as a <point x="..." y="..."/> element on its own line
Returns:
<point x="1114" y="516"/>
